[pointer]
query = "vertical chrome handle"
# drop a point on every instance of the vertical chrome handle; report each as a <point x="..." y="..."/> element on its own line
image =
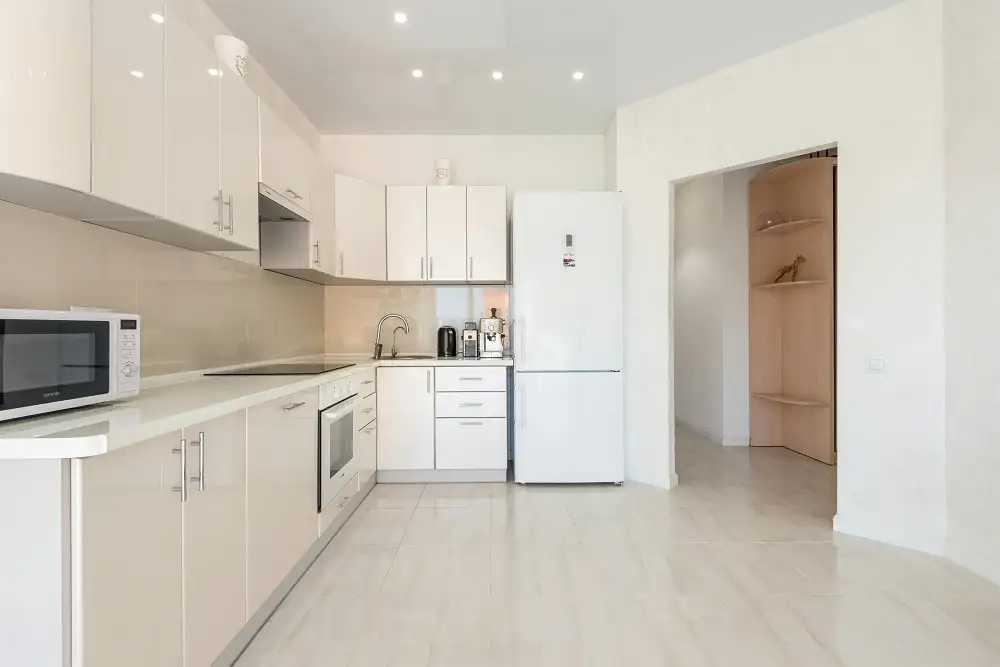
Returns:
<point x="341" y="263"/>
<point x="232" y="220"/>
<point x="421" y="268"/>
<point x="430" y="270"/>
<point x="316" y="247"/>
<point x="218" y="202"/>
<point x="470" y="268"/>
<point x="200" y="444"/>
<point x="295" y="195"/>
<point x="428" y="381"/>
<point x="183" y="488"/>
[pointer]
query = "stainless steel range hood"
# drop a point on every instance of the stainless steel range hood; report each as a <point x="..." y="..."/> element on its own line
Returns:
<point x="273" y="206"/>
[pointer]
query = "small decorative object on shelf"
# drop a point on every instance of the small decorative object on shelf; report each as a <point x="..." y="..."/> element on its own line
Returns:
<point x="770" y="219"/>
<point x="792" y="268"/>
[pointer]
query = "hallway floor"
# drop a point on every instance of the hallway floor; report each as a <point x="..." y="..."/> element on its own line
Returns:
<point x="738" y="566"/>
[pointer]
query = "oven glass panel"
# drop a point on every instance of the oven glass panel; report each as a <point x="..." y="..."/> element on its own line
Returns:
<point x="341" y="443"/>
<point x="42" y="361"/>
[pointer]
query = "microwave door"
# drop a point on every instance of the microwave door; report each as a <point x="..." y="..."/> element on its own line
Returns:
<point x="336" y="449"/>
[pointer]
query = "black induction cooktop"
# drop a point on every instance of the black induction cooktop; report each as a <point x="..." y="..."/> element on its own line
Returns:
<point x="284" y="369"/>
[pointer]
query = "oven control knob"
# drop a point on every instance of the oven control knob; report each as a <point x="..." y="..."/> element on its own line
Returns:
<point x="128" y="369"/>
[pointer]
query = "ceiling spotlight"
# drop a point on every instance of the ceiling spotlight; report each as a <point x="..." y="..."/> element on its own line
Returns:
<point x="399" y="17"/>
<point x="418" y="74"/>
<point x="577" y="76"/>
<point x="497" y="75"/>
<point x="137" y="74"/>
<point x="157" y="18"/>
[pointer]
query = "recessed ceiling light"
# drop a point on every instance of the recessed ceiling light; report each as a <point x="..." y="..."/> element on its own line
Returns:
<point x="577" y="76"/>
<point x="137" y="74"/>
<point x="497" y="75"/>
<point x="418" y="74"/>
<point x="399" y="17"/>
<point x="157" y="18"/>
<point x="214" y="72"/>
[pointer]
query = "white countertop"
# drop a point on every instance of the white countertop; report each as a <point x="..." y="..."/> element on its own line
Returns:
<point x="170" y="407"/>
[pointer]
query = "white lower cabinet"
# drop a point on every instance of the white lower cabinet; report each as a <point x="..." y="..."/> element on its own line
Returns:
<point x="471" y="444"/>
<point x="406" y="418"/>
<point x="214" y="537"/>
<point x="127" y="535"/>
<point x="281" y="490"/>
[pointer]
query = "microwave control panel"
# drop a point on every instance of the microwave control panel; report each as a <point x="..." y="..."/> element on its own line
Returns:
<point x="128" y="356"/>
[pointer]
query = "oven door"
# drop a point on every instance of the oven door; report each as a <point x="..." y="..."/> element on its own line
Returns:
<point x="336" y="449"/>
<point x="53" y="364"/>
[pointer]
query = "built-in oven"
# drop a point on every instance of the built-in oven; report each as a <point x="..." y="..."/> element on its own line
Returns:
<point x="336" y="439"/>
<point x="55" y="360"/>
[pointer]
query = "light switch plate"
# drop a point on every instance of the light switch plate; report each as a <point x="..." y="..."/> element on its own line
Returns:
<point x="876" y="364"/>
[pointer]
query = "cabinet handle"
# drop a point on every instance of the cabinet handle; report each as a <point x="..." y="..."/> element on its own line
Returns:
<point x="183" y="488"/>
<point x="316" y="247"/>
<point x="200" y="444"/>
<point x="367" y="381"/>
<point x="229" y="203"/>
<point x="421" y="268"/>
<point x="295" y="195"/>
<point x="470" y="423"/>
<point x="470" y="268"/>
<point x="370" y="429"/>
<point x="430" y="271"/>
<point x="218" y="201"/>
<point x="341" y="263"/>
<point x="470" y="379"/>
<point x="292" y="406"/>
<point x="470" y="405"/>
<point x="428" y="382"/>
<point x="366" y="410"/>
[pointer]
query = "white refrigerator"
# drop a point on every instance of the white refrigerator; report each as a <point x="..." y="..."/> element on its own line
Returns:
<point x="566" y="320"/>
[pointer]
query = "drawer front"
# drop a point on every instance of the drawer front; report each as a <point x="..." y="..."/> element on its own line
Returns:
<point x="365" y="381"/>
<point x="334" y="509"/>
<point x="471" y="404"/>
<point x="471" y="444"/>
<point x="472" y="378"/>
<point x="365" y="412"/>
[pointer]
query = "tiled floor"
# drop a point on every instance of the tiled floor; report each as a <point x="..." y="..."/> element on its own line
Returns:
<point x="736" y="567"/>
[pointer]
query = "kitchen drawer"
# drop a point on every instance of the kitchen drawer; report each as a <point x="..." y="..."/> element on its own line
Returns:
<point x="334" y="509"/>
<point x="471" y="444"/>
<point x="364" y="413"/>
<point x="364" y="380"/>
<point x="471" y="378"/>
<point x="471" y="404"/>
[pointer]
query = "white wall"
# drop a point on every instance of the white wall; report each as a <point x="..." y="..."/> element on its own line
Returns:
<point x="611" y="156"/>
<point x="698" y="308"/>
<point x="519" y="162"/>
<point x="873" y="87"/>
<point x="972" y="105"/>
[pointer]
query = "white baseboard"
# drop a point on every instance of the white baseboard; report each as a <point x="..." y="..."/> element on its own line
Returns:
<point x="736" y="441"/>
<point x="703" y="433"/>
<point x="888" y="535"/>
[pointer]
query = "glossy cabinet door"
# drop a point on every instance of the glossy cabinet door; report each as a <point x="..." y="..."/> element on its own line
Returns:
<point x="446" y="235"/>
<point x="45" y="91"/>
<point x="323" y="229"/>
<point x="405" y="409"/>
<point x="471" y="443"/>
<point x="192" y="130"/>
<point x="365" y="450"/>
<point x="285" y="159"/>
<point x="238" y="155"/>
<point x="486" y="226"/>
<point x="360" y="219"/>
<point x="127" y="544"/>
<point x="214" y="537"/>
<point x="128" y="105"/>
<point x="406" y="232"/>
<point x="281" y="490"/>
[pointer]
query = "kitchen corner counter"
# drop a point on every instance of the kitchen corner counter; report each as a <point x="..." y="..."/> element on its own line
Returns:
<point x="170" y="407"/>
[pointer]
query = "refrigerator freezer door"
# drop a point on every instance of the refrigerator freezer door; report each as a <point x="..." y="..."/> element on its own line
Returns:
<point x="568" y="428"/>
<point x="567" y="291"/>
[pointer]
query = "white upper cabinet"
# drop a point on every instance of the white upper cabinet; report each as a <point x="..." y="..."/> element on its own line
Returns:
<point x="446" y="235"/>
<point x="406" y="232"/>
<point x="193" y="197"/>
<point x="45" y="103"/>
<point x="285" y="159"/>
<point x="128" y="104"/>
<point x="360" y="220"/>
<point x="487" y="233"/>
<point x="239" y="153"/>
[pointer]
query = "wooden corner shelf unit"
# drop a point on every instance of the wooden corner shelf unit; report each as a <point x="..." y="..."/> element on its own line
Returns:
<point x="792" y="323"/>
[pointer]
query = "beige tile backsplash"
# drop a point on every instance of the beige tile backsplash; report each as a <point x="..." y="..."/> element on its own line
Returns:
<point x="198" y="310"/>
<point x="352" y="313"/>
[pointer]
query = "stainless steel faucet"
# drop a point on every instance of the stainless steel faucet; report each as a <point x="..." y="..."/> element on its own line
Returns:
<point x="378" y="332"/>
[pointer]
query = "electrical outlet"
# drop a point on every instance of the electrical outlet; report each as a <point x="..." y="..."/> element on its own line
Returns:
<point x="876" y="364"/>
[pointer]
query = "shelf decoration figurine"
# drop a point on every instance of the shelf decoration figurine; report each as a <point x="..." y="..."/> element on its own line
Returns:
<point x="792" y="268"/>
<point x="770" y="219"/>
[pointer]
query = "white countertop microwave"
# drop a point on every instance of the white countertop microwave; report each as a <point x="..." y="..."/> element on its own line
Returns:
<point x="55" y="360"/>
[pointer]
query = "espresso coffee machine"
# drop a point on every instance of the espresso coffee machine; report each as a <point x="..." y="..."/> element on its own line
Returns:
<point x="491" y="336"/>
<point x="470" y="341"/>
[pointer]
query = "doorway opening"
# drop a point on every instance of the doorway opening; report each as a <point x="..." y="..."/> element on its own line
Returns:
<point x="754" y="312"/>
